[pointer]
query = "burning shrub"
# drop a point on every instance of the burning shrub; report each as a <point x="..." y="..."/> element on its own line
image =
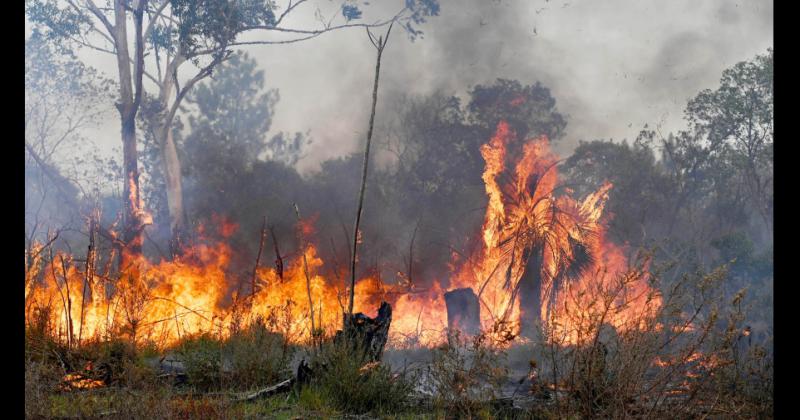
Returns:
<point x="685" y="361"/>
<point x="40" y="343"/>
<point x="117" y="362"/>
<point x="465" y="376"/>
<point x="742" y="368"/>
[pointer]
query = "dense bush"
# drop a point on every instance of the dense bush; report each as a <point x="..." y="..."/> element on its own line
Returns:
<point x="256" y="357"/>
<point x="349" y="384"/>
<point x="202" y="358"/>
<point x="249" y="358"/>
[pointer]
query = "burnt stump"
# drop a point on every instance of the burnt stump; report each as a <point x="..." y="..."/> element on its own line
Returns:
<point x="463" y="311"/>
<point x="367" y="334"/>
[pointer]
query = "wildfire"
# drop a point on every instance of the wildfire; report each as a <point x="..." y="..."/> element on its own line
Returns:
<point x="534" y="237"/>
<point x="77" y="381"/>
<point x="526" y="220"/>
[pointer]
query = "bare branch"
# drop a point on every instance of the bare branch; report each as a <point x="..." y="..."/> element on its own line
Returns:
<point x="323" y="30"/>
<point x="288" y="9"/>
<point x="290" y="41"/>
<point x="364" y="181"/>
<point x="102" y="17"/>
<point x="68" y="199"/>
<point x="160" y="9"/>
<point x="88" y="45"/>
<point x="203" y="73"/>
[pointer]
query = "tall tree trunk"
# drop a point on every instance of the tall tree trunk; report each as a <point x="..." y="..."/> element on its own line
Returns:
<point x="128" y="107"/>
<point x="171" y="165"/>
<point x="530" y="295"/>
<point x="380" y="44"/>
<point x="169" y="156"/>
<point x="172" y="178"/>
<point x="133" y="211"/>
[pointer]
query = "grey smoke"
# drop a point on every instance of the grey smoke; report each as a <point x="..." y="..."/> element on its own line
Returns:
<point x="613" y="66"/>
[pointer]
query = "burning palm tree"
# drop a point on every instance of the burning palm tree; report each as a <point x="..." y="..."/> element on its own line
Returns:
<point x="535" y="241"/>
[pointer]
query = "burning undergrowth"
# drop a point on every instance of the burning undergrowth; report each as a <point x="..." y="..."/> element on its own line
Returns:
<point x="539" y="259"/>
<point x="543" y="305"/>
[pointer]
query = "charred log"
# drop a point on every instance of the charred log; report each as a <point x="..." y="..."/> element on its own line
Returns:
<point x="530" y="295"/>
<point x="365" y="334"/>
<point x="304" y="373"/>
<point x="463" y="311"/>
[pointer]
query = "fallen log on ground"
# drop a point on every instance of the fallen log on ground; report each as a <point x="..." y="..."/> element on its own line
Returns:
<point x="303" y="376"/>
<point x="369" y="334"/>
<point x="269" y="391"/>
<point x="177" y="378"/>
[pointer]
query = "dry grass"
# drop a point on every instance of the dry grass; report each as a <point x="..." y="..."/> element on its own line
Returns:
<point x="693" y="359"/>
<point x="466" y="376"/>
<point x="690" y="360"/>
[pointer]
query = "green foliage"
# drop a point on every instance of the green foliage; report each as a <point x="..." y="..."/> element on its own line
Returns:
<point x="202" y="358"/>
<point x="641" y="192"/>
<point x="257" y="357"/>
<point x="744" y="365"/>
<point x="530" y="109"/>
<point x="215" y="22"/>
<point x="708" y="199"/>
<point x="59" y="24"/>
<point x="53" y="75"/>
<point x="750" y="270"/>
<point x="119" y="362"/>
<point x="736" y="246"/>
<point x="733" y="126"/>
<point x="420" y="11"/>
<point x="441" y="152"/>
<point x="741" y="110"/>
<point x="234" y="111"/>
<point x="41" y="379"/>
<point x="440" y="139"/>
<point x="437" y="141"/>
<point x="724" y="161"/>
<point x="227" y="159"/>
<point x="249" y="358"/>
<point x="313" y="399"/>
<point x="348" y="384"/>
<point x="63" y="96"/>
<point x="287" y="148"/>
<point x="351" y="12"/>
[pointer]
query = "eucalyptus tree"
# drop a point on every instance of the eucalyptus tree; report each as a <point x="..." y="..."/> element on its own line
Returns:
<point x="721" y="167"/>
<point x="168" y="36"/>
<point x="736" y="123"/>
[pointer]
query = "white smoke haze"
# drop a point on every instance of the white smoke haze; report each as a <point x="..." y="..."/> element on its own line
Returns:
<point x="612" y="66"/>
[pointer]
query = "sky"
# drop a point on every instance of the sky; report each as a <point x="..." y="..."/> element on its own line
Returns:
<point x="612" y="65"/>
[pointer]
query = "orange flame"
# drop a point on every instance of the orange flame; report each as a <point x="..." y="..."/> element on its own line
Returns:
<point x="165" y="301"/>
